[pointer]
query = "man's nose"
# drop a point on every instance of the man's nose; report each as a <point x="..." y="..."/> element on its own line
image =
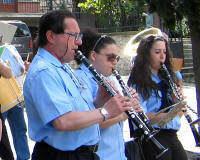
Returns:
<point x="78" y="42"/>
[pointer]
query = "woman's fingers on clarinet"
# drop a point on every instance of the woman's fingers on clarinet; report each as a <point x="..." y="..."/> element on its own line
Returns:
<point x="127" y="103"/>
<point x="133" y="92"/>
<point x="112" y="84"/>
<point x="138" y="108"/>
<point x="133" y="103"/>
<point x="136" y="105"/>
<point x="180" y="91"/>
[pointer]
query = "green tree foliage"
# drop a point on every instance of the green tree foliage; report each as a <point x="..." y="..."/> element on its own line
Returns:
<point x="119" y="10"/>
<point x="174" y="10"/>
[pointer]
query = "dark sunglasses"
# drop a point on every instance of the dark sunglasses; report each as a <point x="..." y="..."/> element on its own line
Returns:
<point x="111" y="57"/>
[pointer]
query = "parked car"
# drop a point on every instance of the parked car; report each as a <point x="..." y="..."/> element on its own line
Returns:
<point x="22" y="39"/>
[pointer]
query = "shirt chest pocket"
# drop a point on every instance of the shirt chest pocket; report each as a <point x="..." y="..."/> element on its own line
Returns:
<point x="72" y="90"/>
<point x="77" y="101"/>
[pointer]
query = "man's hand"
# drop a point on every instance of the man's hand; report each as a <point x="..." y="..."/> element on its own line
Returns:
<point x="102" y="95"/>
<point x="117" y="105"/>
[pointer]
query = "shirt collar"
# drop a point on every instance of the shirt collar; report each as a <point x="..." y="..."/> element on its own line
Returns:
<point x="155" y="77"/>
<point x="86" y="70"/>
<point x="49" y="57"/>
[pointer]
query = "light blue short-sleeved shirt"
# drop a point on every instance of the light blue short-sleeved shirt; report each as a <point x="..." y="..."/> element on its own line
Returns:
<point x="111" y="145"/>
<point x="153" y="104"/>
<point x="178" y="75"/>
<point x="51" y="91"/>
<point x="149" y="20"/>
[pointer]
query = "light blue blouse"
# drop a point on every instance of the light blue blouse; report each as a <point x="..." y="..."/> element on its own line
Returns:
<point x="111" y="145"/>
<point x="178" y="75"/>
<point x="50" y="90"/>
<point x="153" y="105"/>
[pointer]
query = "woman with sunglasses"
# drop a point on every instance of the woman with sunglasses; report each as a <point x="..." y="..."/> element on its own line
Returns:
<point x="102" y="52"/>
<point x="151" y="83"/>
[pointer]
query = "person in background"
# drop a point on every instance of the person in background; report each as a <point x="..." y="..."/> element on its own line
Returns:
<point x="61" y="112"/>
<point x="151" y="83"/>
<point x="149" y="18"/>
<point x="15" y="115"/>
<point x="5" y="148"/>
<point x="5" y="72"/>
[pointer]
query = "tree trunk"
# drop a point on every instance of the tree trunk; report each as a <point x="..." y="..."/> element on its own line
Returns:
<point x="195" y="38"/>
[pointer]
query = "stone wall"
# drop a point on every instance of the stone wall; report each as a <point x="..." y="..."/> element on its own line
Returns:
<point x="122" y="38"/>
<point x="124" y="64"/>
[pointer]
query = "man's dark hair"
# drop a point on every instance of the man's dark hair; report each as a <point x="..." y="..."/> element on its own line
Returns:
<point x="53" y="21"/>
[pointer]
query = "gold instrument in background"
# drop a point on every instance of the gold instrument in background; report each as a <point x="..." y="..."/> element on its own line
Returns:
<point x="133" y="43"/>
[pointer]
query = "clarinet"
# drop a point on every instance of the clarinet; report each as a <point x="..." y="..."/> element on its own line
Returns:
<point x="178" y="97"/>
<point x="134" y="117"/>
<point x="126" y="90"/>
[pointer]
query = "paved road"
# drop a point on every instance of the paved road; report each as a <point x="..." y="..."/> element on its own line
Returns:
<point x="184" y="134"/>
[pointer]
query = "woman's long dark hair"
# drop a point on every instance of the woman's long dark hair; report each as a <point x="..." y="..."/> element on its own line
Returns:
<point x="141" y="73"/>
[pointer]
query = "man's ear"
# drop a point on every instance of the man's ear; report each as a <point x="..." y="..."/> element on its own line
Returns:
<point x="50" y="36"/>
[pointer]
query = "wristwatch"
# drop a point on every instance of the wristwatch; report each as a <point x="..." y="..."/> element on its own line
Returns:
<point x="104" y="112"/>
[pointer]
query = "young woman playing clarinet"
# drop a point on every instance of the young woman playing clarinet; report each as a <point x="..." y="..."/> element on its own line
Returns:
<point x="102" y="52"/>
<point x="154" y="91"/>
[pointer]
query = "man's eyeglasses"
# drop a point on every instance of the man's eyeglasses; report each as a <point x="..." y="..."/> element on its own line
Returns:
<point x="77" y="36"/>
<point x="111" y="57"/>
